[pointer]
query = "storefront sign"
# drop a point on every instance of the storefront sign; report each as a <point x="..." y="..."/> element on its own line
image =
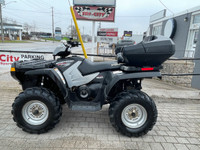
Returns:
<point x="158" y="15"/>
<point x="7" y="58"/>
<point x="107" y="35"/>
<point x="95" y="13"/>
<point x="128" y="33"/>
<point x="95" y="2"/>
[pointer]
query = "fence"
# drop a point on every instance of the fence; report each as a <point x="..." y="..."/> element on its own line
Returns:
<point x="7" y="57"/>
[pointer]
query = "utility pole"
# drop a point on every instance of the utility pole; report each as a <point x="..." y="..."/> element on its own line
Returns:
<point x="99" y="25"/>
<point x="1" y="19"/>
<point x="53" y="35"/>
<point x="71" y="29"/>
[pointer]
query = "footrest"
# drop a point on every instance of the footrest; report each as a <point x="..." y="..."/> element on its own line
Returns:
<point x="85" y="106"/>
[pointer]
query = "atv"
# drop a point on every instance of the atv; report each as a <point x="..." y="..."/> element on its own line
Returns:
<point x="87" y="86"/>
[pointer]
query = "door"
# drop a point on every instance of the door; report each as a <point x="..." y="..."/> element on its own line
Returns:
<point x="193" y="37"/>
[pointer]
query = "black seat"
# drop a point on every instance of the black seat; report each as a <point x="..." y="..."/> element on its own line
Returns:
<point x="88" y="67"/>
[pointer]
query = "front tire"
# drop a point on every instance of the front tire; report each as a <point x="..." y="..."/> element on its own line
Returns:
<point x="36" y="110"/>
<point x="133" y="113"/>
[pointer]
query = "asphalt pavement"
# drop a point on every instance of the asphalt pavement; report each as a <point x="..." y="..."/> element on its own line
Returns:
<point x="48" y="46"/>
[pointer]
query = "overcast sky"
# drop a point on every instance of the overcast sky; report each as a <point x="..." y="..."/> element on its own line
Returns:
<point x="132" y="15"/>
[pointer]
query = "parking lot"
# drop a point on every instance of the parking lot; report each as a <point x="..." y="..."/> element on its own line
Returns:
<point x="177" y="128"/>
<point x="48" y="46"/>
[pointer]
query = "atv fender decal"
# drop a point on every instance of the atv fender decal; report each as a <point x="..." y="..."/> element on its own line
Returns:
<point x="74" y="77"/>
<point x="60" y="75"/>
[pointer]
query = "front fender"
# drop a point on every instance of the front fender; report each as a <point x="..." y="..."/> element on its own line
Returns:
<point x="54" y="75"/>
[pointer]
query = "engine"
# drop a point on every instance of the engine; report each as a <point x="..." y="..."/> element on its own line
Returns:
<point x="88" y="92"/>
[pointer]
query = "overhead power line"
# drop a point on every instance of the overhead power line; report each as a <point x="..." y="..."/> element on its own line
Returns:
<point x="135" y="16"/>
<point x="65" y="14"/>
<point x="36" y="4"/>
<point x="32" y="11"/>
<point x="29" y="5"/>
<point x="21" y="18"/>
<point x="32" y="5"/>
<point x="43" y="3"/>
<point x="166" y="7"/>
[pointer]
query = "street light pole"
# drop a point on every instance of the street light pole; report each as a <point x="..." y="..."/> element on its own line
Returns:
<point x="1" y="19"/>
<point x="53" y="24"/>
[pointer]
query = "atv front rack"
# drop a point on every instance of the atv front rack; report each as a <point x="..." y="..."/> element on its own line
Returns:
<point x="33" y="64"/>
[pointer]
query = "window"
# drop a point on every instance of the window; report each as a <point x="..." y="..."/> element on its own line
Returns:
<point x="196" y="37"/>
<point x="157" y="28"/>
<point x="196" y="19"/>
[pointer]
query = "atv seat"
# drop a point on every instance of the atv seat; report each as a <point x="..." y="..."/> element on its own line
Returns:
<point x="88" y="67"/>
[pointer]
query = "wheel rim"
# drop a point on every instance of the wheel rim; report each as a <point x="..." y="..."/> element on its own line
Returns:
<point x="35" y="112"/>
<point x="134" y="116"/>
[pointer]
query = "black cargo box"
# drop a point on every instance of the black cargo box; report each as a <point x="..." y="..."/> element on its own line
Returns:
<point x="152" y="51"/>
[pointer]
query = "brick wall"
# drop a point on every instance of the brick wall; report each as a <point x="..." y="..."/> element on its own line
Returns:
<point x="178" y="67"/>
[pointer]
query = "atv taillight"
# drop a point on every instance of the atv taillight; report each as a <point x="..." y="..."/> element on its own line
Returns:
<point x="147" y="69"/>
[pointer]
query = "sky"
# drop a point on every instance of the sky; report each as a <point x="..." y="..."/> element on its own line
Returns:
<point x="131" y="15"/>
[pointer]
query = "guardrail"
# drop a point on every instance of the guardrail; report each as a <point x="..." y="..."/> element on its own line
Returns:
<point x="21" y="54"/>
<point x="19" y="51"/>
<point x="115" y="56"/>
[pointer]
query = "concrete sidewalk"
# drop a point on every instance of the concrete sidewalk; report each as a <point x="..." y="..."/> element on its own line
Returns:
<point x="158" y="88"/>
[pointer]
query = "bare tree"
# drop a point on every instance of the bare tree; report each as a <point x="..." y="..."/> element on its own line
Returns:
<point x="14" y="22"/>
<point x="27" y="28"/>
<point x="33" y="27"/>
<point x="5" y="20"/>
<point x="72" y="31"/>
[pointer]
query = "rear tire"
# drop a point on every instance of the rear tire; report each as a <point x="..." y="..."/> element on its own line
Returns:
<point x="133" y="113"/>
<point x="36" y="110"/>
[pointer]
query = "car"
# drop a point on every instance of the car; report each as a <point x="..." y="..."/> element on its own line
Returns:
<point x="120" y="44"/>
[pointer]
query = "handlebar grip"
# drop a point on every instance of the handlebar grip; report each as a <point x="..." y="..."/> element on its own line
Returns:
<point x="120" y="58"/>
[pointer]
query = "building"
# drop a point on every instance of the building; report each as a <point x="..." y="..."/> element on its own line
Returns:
<point x="40" y="34"/>
<point x="12" y="31"/>
<point x="58" y="33"/>
<point x="86" y="38"/>
<point x="183" y="28"/>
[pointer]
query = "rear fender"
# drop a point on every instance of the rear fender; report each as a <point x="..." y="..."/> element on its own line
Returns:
<point x="54" y="74"/>
<point x="123" y="76"/>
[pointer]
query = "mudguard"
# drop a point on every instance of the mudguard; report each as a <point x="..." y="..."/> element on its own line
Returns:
<point x="122" y="76"/>
<point x="54" y="75"/>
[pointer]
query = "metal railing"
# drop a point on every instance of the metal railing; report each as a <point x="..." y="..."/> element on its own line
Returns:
<point x="109" y="55"/>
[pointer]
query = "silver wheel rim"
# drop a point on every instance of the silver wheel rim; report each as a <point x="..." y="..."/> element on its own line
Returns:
<point x="35" y="112"/>
<point x="134" y="116"/>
